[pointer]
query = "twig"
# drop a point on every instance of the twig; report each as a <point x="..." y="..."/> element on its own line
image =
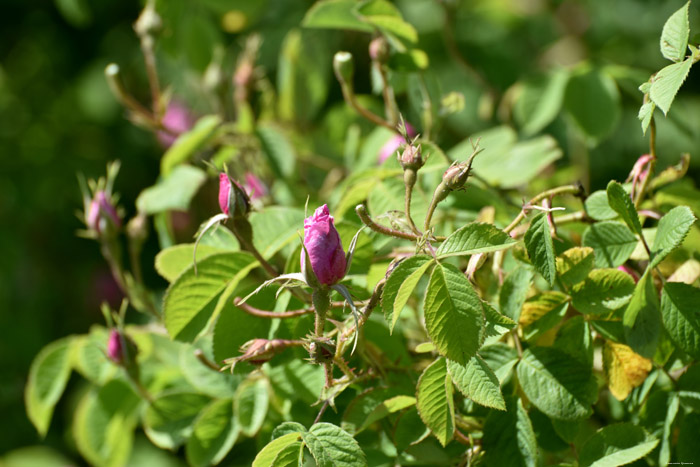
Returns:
<point x="362" y="213"/>
<point x="576" y="189"/>
<point x="270" y="314"/>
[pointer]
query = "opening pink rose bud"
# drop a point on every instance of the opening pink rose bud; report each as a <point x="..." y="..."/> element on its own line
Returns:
<point x="177" y="120"/>
<point x="322" y="243"/>
<point x="115" y="350"/>
<point x="233" y="200"/>
<point x="394" y="143"/>
<point x="100" y="212"/>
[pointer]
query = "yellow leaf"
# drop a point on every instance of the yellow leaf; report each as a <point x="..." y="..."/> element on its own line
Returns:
<point x="624" y="369"/>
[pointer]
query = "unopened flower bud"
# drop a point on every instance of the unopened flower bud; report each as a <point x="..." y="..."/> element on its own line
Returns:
<point x="101" y="213"/>
<point x="137" y="228"/>
<point x="255" y="187"/>
<point x="411" y="158"/>
<point x="344" y="68"/>
<point x="233" y="200"/>
<point x="115" y="348"/>
<point x="456" y="175"/>
<point x="177" y="120"/>
<point x="148" y="22"/>
<point x="379" y="50"/>
<point x="325" y="251"/>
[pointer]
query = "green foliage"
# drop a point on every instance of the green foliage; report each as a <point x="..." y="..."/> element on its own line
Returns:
<point x="240" y="356"/>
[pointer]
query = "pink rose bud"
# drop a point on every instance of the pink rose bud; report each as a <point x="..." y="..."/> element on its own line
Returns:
<point x="379" y="49"/>
<point x="115" y="350"/>
<point x="233" y="200"/>
<point x="255" y="188"/>
<point x="393" y="145"/>
<point x="411" y="158"/>
<point x="456" y="175"/>
<point x="322" y="243"/>
<point x="101" y="211"/>
<point x="177" y="120"/>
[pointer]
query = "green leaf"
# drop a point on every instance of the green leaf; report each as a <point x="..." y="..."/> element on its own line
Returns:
<point x="291" y="456"/>
<point x="213" y="435"/>
<point x="621" y="203"/>
<point x="514" y="291"/>
<point x="612" y="243"/>
<point x="453" y="314"/>
<point x="540" y="101"/>
<point x="597" y="206"/>
<point x="681" y="316"/>
<point x="616" y="445"/>
<point x="297" y="380"/>
<point x="513" y="165"/>
<point x="666" y="438"/>
<point x="674" y="37"/>
<point x="192" y="299"/>
<point x="592" y="99"/>
<point x="335" y="14"/>
<point x="169" y="420"/>
<point x="671" y="232"/>
<point x="667" y="82"/>
<point x="104" y="423"/>
<point x="173" y="192"/>
<point x="509" y="438"/>
<point x="48" y="376"/>
<point x="561" y="387"/>
<point x="574" y="265"/>
<point x="477" y="382"/>
<point x="172" y="261"/>
<point x="279" y="151"/>
<point x="303" y="76"/>
<point x="501" y="357"/>
<point x="642" y="320"/>
<point x="189" y="143"/>
<point x="332" y="446"/>
<point x="574" y="337"/>
<point x="646" y="111"/>
<point x="267" y="455"/>
<point x="387" y="18"/>
<point x="90" y="359"/>
<point x="540" y="248"/>
<point x="496" y="323"/>
<point x="383" y="409"/>
<point x="542" y="312"/>
<point x="603" y="291"/>
<point x="410" y="430"/>
<point x="400" y="285"/>
<point x="235" y="327"/>
<point x="686" y="447"/>
<point x="434" y="401"/>
<point x="250" y="405"/>
<point x="276" y="227"/>
<point x="206" y="380"/>
<point x="475" y="238"/>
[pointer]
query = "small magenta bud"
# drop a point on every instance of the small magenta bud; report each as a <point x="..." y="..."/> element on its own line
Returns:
<point x="102" y="213"/>
<point x="379" y="49"/>
<point x="255" y="187"/>
<point x="344" y="67"/>
<point x="233" y="200"/>
<point x="177" y="120"/>
<point x="115" y="348"/>
<point x="324" y="248"/>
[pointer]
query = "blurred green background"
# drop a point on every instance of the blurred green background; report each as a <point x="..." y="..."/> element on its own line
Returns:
<point x="58" y="118"/>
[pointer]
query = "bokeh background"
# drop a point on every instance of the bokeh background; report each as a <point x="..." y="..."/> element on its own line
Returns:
<point x="58" y="118"/>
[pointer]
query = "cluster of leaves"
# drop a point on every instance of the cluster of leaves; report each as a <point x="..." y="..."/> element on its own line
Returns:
<point x="570" y="338"/>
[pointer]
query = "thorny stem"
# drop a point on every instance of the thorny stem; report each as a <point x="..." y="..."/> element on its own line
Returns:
<point x="576" y="189"/>
<point x="409" y="195"/>
<point x="579" y="216"/>
<point x="462" y="438"/>
<point x="248" y="246"/>
<point x="204" y="360"/>
<point x="390" y="107"/>
<point x="376" y="119"/>
<point x="150" y="62"/>
<point x="366" y="311"/>
<point x="362" y="213"/>
<point x="270" y="314"/>
<point x="518" y="345"/>
<point x="652" y="164"/>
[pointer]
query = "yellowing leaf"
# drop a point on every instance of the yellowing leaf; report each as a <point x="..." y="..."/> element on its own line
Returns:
<point x="624" y="369"/>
